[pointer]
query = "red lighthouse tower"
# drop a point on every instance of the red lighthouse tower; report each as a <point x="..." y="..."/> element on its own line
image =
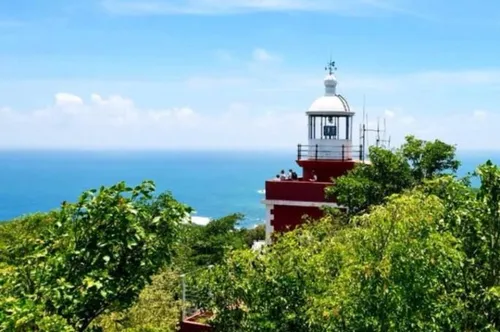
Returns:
<point x="329" y="153"/>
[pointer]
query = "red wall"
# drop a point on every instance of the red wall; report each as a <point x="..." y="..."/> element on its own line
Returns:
<point x="325" y="169"/>
<point x="194" y="327"/>
<point x="297" y="191"/>
<point x="288" y="217"/>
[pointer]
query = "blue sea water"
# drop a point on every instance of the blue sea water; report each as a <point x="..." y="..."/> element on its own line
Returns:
<point x="215" y="184"/>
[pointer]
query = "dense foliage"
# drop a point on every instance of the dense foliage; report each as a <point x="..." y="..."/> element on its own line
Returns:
<point x="417" y="250"/>
<point x="427" y="259"/>
<point x="390" y="172"/>
<point x="473" y="217"/>
<point x="91" y="256"/>
<point x="159" y="306"/>
<point x="110" y="261"/>
<point x="208" y="245"/>
<point x="156" y="310"/>
<point x="384" y="274"/>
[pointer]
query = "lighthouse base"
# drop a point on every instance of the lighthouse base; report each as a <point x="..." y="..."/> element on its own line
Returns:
<point x="283" y="216"/>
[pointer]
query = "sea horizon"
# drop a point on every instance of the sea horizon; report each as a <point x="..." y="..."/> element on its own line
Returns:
<point x="215" y="183"/>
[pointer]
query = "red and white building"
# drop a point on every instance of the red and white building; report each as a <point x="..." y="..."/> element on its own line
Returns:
<point x="329" y="153"/>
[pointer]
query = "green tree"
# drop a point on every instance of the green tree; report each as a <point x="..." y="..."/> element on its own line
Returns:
<point x="258" y="233"/>
<point x="426" y="260"/>
<point x="18" y="236"/>
<point x="397" y="270"/>
<point x="207" y="245"/>
<point x="390" y="172"/>
<point x="429" y="158"/>
<point x="158" y="308"/>
<point x="368" y="184"/>
<point x="93" y="256"/>
<point x="17" y="314"/>
<point x="473" y="217"/>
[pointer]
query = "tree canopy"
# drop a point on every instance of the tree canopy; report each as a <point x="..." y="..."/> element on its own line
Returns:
<point x="390" y="172"/>
<point x="419" y="250"/>
<point x="423" y="256"/>
<point x="385" y="274"/>
<point x="91" y="256"/>
<point x="111" y="261"/>
<point x="207" y="245"/>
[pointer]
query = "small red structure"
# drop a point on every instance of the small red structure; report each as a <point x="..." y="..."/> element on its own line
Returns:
<point x="329" y="154"/>
<point x="195" y="323"/>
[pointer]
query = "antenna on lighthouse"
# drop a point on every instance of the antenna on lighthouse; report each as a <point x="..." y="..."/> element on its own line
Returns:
<point x="378" y="132"/>
<point x="384" y="142"/>
<point x="364" y="126"/>
<point x="379" y="141"/>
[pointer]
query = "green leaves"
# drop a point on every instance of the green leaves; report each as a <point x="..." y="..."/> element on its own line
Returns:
<point x="426" y="260"/>
<point x="383" y="275"/>
<point x="24" y="315"/>
<point x="96" y="254"/>
<point x="429" y="159"/>
<point x="156" y="310"/>
<point x="206" y="245"/>
<point x="392" y="172"/>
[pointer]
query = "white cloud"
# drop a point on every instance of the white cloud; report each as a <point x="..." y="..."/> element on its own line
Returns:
<point x="257" y="109"/>
<point x="480" y="114"/>
<point x="214" y="7"/>
<point x="389" y="114"/>
<point x="468" y="130"/>
<point x="407" y="120"/>
<point x="117" y="123"/>
<point x="66" y="99"/>
<point x="261" y="55"/>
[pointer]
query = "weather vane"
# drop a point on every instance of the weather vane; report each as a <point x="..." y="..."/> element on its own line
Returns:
<point x="330" y="67"/>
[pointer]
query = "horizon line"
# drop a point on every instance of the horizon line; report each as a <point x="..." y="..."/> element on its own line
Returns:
<point x="189" y="149"/>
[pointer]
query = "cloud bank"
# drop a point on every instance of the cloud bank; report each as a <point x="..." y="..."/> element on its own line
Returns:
<point x="116" y="122"/>
<point x="259" y="107"/>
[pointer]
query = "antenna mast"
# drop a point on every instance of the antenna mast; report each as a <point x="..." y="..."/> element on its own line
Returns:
<point x="385" y="143"/>
<point x="364" y="125"/>
<point x="379" y="142"/>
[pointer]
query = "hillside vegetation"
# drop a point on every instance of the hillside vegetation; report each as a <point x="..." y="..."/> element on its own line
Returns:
<point x="110" y="261"/>
<point x="417" y="250"/>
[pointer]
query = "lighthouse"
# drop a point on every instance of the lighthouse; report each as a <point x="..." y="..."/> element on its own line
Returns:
<point x="329" y="153"/>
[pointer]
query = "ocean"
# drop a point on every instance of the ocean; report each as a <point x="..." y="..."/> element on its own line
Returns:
<point x="214" y="184"/>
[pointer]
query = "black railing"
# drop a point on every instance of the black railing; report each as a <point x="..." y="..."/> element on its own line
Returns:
<point x="317" y="152"/>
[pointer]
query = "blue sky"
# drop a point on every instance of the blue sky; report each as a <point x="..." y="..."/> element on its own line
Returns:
<point x="100" y="74"/>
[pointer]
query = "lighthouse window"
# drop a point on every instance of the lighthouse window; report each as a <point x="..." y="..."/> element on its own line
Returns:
<point x="329" y="131"/>
<point x="329" y="127"/>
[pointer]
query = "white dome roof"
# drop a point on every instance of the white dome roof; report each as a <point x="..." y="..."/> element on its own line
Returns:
<point x="331" y="102"/>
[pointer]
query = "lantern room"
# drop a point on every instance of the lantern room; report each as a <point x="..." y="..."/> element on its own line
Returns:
<point x="330" y="124"/>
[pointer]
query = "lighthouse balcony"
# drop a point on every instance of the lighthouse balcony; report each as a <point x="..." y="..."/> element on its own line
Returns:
<point x="334" y="150"/>
<point x="297" y="190"/>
